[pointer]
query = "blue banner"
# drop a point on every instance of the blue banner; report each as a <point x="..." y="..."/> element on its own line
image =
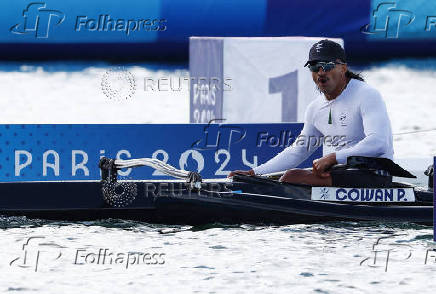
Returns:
<point x="160" y="28"/>
<point x="72" y="152"/>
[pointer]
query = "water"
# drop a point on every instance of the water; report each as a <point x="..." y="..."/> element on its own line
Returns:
<point x="320" y="258"/>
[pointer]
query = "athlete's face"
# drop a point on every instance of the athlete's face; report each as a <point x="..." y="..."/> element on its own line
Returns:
<point x="330" y="81"/>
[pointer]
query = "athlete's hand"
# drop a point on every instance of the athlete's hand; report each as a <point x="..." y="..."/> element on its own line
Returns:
<point x="322" y="164"/>
<point x="244" y="172"/>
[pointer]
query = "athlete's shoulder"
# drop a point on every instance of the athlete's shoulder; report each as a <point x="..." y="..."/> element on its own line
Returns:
<point x="365" y="92"/>
<point x="364" y="87"/>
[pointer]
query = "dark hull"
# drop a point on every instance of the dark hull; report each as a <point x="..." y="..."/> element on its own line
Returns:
<point x="292" y="204"/>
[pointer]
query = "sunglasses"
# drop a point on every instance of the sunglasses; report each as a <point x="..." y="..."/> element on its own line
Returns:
<point x="326" y="66"/>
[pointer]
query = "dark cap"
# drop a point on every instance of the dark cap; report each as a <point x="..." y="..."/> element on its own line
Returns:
<point x="326" y="50"/>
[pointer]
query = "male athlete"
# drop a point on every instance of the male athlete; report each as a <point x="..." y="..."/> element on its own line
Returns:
<point x="347" y="108"/>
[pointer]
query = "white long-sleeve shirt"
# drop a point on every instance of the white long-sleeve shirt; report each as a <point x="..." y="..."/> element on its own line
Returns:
<point x="360" y="126"/>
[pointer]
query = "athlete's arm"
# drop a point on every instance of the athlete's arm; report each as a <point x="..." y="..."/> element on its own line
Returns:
<point x="295" y="154"/>
<point x="377" y="129"/>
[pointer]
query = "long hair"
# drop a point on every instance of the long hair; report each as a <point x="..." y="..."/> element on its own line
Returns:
<point x="351" y="75"/>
